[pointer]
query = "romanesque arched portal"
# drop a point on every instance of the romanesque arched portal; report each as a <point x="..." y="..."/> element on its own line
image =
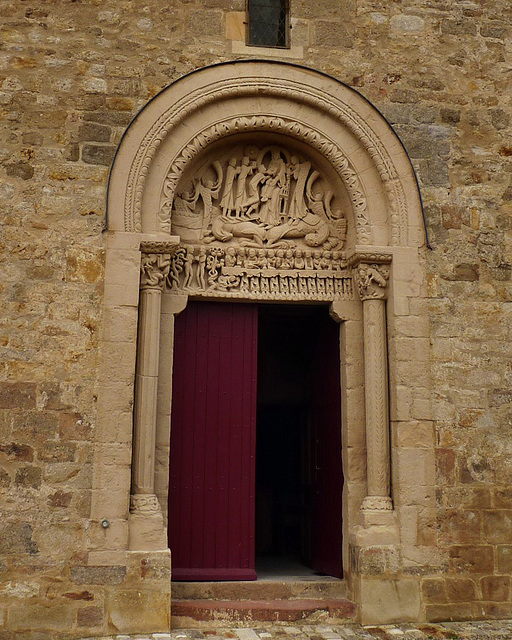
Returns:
<point x="270" y="182"/>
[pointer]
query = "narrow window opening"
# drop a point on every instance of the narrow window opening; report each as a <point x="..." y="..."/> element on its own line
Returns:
<point x="268" y="23"/>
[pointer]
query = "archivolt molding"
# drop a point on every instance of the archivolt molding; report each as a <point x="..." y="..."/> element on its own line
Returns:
<point x="268" y="87"/>
<point x="299" y="130"/>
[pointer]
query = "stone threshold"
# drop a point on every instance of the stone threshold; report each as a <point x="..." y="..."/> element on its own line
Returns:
<point x="236" y="611"/>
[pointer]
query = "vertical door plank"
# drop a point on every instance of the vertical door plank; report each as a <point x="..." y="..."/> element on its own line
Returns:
<point x="213" y="437"/>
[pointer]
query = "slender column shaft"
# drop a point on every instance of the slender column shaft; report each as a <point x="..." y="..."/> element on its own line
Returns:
<point x="146" y="381"/>
<point x="376" y="405"/>
<point x="371" y="279"/>
<point x="154" y="270"/>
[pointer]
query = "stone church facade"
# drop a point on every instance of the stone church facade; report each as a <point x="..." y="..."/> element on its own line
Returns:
<point x="153" y="160"/>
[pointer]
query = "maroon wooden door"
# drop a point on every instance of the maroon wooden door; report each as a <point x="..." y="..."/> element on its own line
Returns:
<point x="213" y="442"/>
<point x="326" y="473"/>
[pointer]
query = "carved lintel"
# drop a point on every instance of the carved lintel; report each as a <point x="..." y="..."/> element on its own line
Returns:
<point x="377" y="503"/>
<point x="266" y="274"/>
<point x="146" y="503"/>
<point x="371" y="280"/>
<point x="154" y="269"/>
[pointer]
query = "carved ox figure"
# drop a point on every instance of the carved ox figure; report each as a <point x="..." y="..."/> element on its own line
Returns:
<point x="311" y="227"/>
<point x="224" y="229"/>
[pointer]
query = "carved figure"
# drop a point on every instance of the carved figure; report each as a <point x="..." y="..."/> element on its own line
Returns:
<point x="372" y="280"/>
<point x="253" y="197"/>
<point x="241" y="186"/>
<point x="224" y="229"/>
<point x="201" y="267"/>
<point x="299" y="171"/>
<point x="208" y="190"/>
<point x="227" y="203"/>
<point x="230" y="259"/>
<point x="310" y="227"/>
<point x="187" y="270"/>
<point x="270" y="212"/>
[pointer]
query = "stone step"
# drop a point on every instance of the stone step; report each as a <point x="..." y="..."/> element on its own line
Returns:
<point x="194" y="613"/>
<point x="266" y="589"/>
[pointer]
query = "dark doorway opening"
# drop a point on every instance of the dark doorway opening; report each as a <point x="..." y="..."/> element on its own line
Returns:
<point x="298" y="478"/>
<point x="233" y="403"/>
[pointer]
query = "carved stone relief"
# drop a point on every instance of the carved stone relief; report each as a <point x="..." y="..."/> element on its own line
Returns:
<point x="269" y="274"/>
<point x="259" y="222"/>
<point x="280" y="89"/>
<point x="371" y="281"/>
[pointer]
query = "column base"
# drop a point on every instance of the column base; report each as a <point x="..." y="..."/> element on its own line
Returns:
<point x="377" y="503"/>
<point x="146" y="524"/>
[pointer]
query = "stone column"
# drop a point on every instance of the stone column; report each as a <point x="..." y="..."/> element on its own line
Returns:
<point x="147" y="530"/>
<point x="371" y="279"/>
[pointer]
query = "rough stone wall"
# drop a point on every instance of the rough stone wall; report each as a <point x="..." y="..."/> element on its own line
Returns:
<point x="72" y="76"/>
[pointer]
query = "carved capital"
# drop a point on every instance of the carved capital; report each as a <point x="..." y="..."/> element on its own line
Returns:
<point x="154" y="269"/>
<point x="371" y="280"/>
<point x="144" y="503"/>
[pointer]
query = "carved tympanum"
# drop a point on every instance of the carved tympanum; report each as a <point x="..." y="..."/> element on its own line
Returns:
<point x="259" y="197"/>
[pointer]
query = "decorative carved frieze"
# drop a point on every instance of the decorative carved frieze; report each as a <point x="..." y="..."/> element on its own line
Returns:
<point x="268" y="274"/>
<point x="377" y="503"/>
<point x="158" y="246"/>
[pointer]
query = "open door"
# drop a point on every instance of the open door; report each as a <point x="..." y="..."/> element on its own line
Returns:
<point x="325" y="451"/>
<point x="213" y="442"/>
<point x="213" y="480"/>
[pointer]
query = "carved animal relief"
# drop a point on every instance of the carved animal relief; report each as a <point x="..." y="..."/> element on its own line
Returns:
<point x="259" y="223"/>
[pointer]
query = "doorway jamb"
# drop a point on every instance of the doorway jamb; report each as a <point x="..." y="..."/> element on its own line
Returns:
<point x="146" y="520"/>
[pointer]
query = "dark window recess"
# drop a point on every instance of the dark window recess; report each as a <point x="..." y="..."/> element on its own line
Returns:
<point x="268" y="23"/>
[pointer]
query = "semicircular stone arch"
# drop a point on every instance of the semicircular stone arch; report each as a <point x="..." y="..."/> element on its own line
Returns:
<point x="267" y="181"/>
<point x="241" y="97"/>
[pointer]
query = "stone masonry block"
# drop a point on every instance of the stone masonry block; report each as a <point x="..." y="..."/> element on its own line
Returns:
<point x="17" y="395"/>
<point x="460" y="589"/>
<point x="496" y="525"/>
<point x="139" y="611"/>
<point x="93" y="132"/>
<point x="112" y="504"/>
<point x="414" y="434"/>
<point x="496" y="588"/>
<point x="388" y="601"/>
<point x="434" y="591"/>
<point x="17" y="538"/>
<point x="452" y="612"/>
<point x="98" y="575"/>
<point x="120" y="324"/>
<point x="328" y="33"/>
<point x="28" y="617"/>
<point x="472" y="558"/>
<point x="98" y="154"/>
<point x="90" y="617"/>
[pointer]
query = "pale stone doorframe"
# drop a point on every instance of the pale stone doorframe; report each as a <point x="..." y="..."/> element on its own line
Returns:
<point x="387" y="430"/>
